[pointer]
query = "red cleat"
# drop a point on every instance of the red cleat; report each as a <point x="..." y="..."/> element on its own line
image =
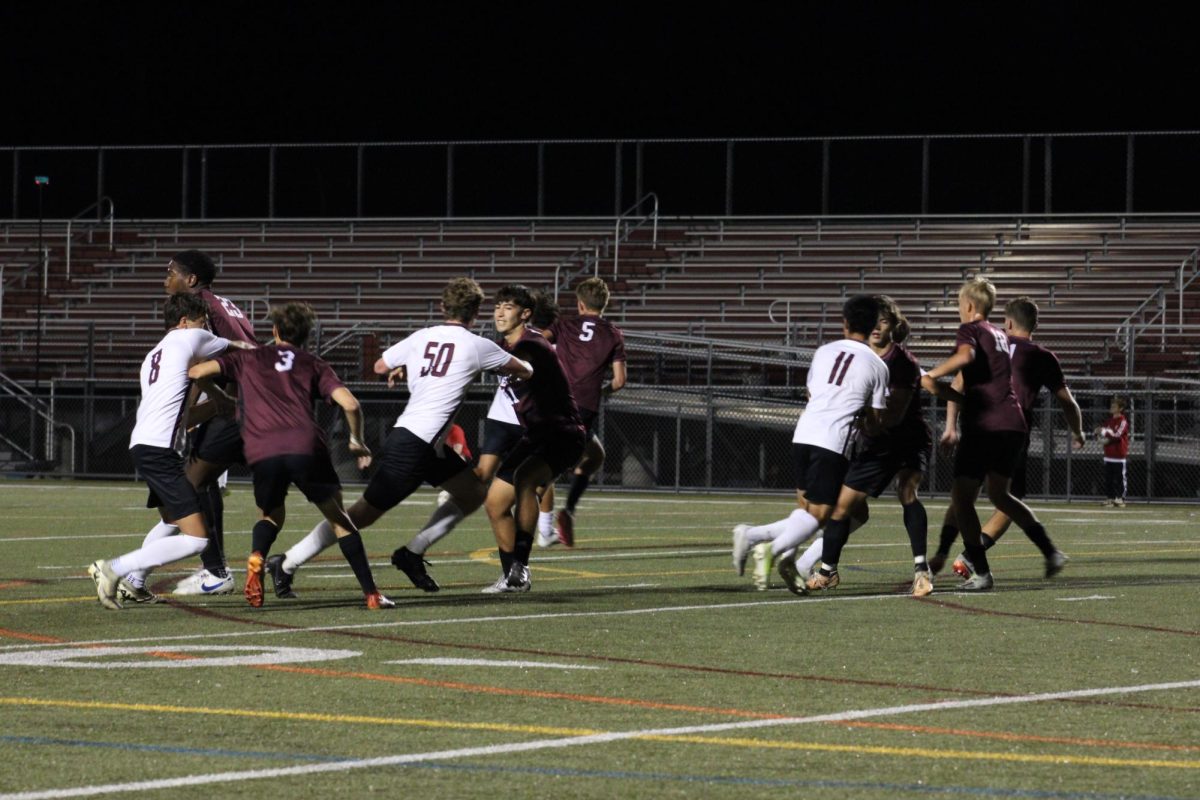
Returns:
<point x="564" y="525"/>
<point x="375" y="601"/>
<point x="254" y="580"/>
<point x="963" y="568"/>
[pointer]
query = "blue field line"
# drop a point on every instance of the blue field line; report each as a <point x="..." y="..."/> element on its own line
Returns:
<point x="975" y="791"/>
<point x="154" y="748"/>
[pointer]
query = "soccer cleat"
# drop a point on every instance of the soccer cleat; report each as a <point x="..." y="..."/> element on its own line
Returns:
<point x="106" y="584"/>
<point x="741" y="548"/>
<point x="791" y="576"/>
<point x="963" y="567"/>
<point x="1119" y="502"/>
<point x="937" y="562"/>
<point x="499" y="587"/>
<point x="977" y="583"/>
<point x="1055" y="563"/>
<point x="376" y="601"/>
<point x="548" y="538"/>
<point x="1109" y="503"/>
<point x="922" y="584"/>
<point x="564" y="523"/>
<point x="128" y="593"/>
<point x="443" y="498"/>
<point x="764" y="559"/>
<point x="820" y="581"/>
<point x="518" y="578"/>
<point x="281" y="581"/>
<point x="413" y="566"/>
<point x="254" y="580"/>
<point x="204" y="582"/>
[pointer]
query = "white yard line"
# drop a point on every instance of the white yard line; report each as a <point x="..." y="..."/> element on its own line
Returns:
<point x="578" y="741"/>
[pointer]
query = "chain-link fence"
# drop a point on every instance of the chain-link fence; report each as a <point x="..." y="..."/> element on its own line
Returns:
<point x="664" y="437"/>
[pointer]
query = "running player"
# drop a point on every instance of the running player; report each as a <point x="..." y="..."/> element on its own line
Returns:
<point x="217" y="444"/>
<point x="439" y="363"/>
<point x="588" y="345"/>
<point x="552" y="440"/>
<point x="164" y="383"/>
<point x="846" y="382"/>
<point x="284" y="444"/>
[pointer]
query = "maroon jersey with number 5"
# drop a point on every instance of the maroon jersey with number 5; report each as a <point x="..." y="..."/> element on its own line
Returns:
<point x="987" y="381"/>
<point x="278" y="384"/>
<point x="587" y="345"/>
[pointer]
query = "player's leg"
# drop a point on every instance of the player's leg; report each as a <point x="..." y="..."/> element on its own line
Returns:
<point x="963" y="494"/>
<point x="136" y="581"/>
<point x="351" y="544"/>
<point x="501" y="497"/>
<point x="791" y="531"/>
<point x="108" y="574"/>
<point x="546" y="535"/>
<point x="949" y="534"/>
<point x="466" y="493"/>
<point x="837" y="528"/>
<point x="593" y="459"/>
<point x="916" y="525"/>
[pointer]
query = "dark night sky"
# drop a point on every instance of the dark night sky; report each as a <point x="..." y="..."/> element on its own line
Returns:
<point x="126" y="73"/>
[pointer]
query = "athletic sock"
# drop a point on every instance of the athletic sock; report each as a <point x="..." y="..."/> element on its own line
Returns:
<point x="546" y="523"/>
<point x="356" y="554"/>
<point x="506" y="560"/>
<point x="798" y="528"/>
<point x="307" y="548"/>
<point x="159" y="531"/>
<point x="157" y="553"/>
<point x="1037" y="534"/>
<point x="949" y="534"/>
<point x="810" y="557"/>
<point x="765" y="533"/>
<point x="262" y="537"/>
<point x="916" y="522"/>
<point x="212" y="503"/>
<point x="978" y="557"/>
<point x="522" y="547"/>
<point x="578" y="487"/>
<point x="987" y="541"/>
<point x="440" y="523"/>
<point x="836" y="533"/>
<point x="920" y="564"/>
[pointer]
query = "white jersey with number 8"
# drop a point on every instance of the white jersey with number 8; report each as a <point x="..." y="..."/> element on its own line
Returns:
<point x="165" y="383"/>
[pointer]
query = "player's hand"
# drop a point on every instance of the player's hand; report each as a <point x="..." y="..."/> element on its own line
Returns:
<point x="948" y="441"/>
<point x="395" y="376"/>
<point x="1077" y="441"/>
<point x="929" y="384"/>
<point x="363" y="452"/>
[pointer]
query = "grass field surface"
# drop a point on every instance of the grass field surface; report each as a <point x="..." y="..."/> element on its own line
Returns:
<point x="639" y="665"/>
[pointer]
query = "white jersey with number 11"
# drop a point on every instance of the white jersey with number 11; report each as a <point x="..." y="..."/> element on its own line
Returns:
<point x="845" y="377"/>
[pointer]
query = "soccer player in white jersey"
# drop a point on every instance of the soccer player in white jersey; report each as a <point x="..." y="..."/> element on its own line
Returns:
<point x="847" y="382"/>
<point x="439" y="363"/>
<point x="165" y="386"/>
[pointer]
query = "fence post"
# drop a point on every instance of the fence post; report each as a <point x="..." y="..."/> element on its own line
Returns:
<point x="16" y="178"/>
<point x="449" y="180"/>
<point x="617" y="177"/>
<point x="1151" y="444"/>
<point x="99" y="183"/>
<point x="708" y="440"/>
<point x="729" y="179"/>
<point x="184" y="184"/>
<point x="203" y="183"/>
<point x="358" y="181"/>
<point x="637" y="173"/>
<point x="1129" y="174"/>
<point x="271" y="182"/>
<point x="541" y="179"/>
<point x="824" y="177"/>
<point x="925" y="175"/>
<point x="678" y="443"/>
<point x="1047" y="179"/>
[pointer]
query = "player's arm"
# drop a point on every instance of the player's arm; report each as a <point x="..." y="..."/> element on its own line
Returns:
<point x="218" y="402"/>
<point x="963" y="356"/>
<point x="516" y="368"/>
<point x="618" y="377"/>
<point x="394" y="376"/>
<point x="1070" y="409"/>
<point x="897" y="405"/>
<point x="949" y="436"/>
<point x="354" y="423"/>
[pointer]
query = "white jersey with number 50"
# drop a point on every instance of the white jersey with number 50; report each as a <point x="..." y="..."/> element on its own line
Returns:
<point x="845" y="377"/>
<point x="439" y="364"/>
<point x="165" y="383"/>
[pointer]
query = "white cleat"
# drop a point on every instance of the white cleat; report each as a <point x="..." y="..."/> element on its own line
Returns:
<point x="977" y="583"/>
<point x="922" y="585"/>
<point x="741" y="548"/>
<point x="106" y="584"/>
<point x="204" y="582"/>
<point x="547" y="538"/>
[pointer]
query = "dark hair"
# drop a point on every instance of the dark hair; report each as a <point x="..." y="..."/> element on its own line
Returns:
<point x="183" y="305"/>
<point x="518" y="294"/>
<point x="1023" y="312"/>
<point x="861" y="313"/>
<point x="890" y="309"/>
<point x="461" y="299"/>
<point x="193" y="262"/>
<point x="294" y="321"/>
<point x="545" y="310"/>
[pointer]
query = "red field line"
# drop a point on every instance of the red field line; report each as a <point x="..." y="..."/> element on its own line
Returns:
<point x="29" y="637"/>
<point x="15" y="584"/>
<point x="1046" y="618"/>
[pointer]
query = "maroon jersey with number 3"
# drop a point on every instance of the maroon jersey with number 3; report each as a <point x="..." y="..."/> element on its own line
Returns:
<point x="987" y="381"/>
<point x="587" y="345"/>
<point x="278" y="384"/>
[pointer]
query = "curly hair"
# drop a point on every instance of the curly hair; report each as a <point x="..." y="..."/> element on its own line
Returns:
<point x="461" y="299"/>
<point x="194" y="262"/>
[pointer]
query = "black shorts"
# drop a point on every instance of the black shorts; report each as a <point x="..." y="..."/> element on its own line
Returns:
<point x="559" y="449"/>
<point x="872" y="471"/>
<point x="982" y="452"/>
<point x="819" y="473"/>
<point x="219" y="441"/>
<point x="1017" y="488"/>
<point x="499" y="437"/>
<point x="589" y="418"/>
<point x="313" y="475"/>
<point x="162" y="470"/>
<point x="406" y="462"/>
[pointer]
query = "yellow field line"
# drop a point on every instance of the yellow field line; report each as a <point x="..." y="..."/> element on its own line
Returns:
<point x="47" y="600"/>
<point x="919" y="752"/>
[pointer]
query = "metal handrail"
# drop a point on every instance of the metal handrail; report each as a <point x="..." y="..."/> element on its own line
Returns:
<point x="618" y="238"/>
<point x="112" y="217"/>
<point x="1194" y="257"/>
<point x="41" y="409"/>
<point x="586" y="250"/>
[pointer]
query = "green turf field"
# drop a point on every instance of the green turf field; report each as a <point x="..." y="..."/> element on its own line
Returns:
<point x="640" y="664"/>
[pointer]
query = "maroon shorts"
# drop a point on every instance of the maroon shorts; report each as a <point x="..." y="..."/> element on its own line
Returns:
<point x="981" y="453"/>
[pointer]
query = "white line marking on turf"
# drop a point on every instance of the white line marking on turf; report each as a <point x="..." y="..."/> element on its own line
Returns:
<point x="262" y="654"/>
<point x="484" y="662"/>
<point x="1089" y="597"/>
<point x="578" y="741"/>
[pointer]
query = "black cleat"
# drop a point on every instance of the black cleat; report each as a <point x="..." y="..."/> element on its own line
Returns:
<point x="281" y="581"/>
<point x="413" y="566"/>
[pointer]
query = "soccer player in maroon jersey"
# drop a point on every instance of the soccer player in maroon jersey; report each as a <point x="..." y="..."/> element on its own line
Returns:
<point x="217" y="444"/>
<point x="284" y="445"/>
<point x="588" y="345"/>
<point x="993" y="426"/>
<point x="553" y="439"/>
<point x="1033" y="367"/>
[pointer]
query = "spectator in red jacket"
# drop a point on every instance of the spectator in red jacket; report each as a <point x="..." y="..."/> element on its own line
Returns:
<point x="1115" y="431"/>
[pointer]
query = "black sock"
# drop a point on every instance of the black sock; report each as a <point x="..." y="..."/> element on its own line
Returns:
<point x="977" y="556"/>
<point x="987" y="541"/>
<point x="356" y="554"/>
<point x="1037" y="535"/>
<point x="212" y="504"/>
<point x="262" y="537"/>
<point x="949" y="534"/>
<point x="506" y="560"/>
<point x="578" y="487"/>
<point x="916" y="522"/>
<point x="836" y="533"/>
<point x="522" y="547"/>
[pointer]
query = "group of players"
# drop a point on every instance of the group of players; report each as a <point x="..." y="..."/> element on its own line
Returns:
<point x="863" y="429"/>
<point x="539" y="427"/>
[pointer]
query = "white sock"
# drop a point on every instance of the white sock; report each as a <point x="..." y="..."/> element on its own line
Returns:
<point x="444" y="518"/>
<point x="545" y="522"/>
<point x="765" y="533"/>
<point x="223" y="481"/>
<point x="307" y="548"/>
<point x="157" y="553"/>
<point x="809" y="558"/>
<point x="159" y="531"/>
<point x="798" y="528"/>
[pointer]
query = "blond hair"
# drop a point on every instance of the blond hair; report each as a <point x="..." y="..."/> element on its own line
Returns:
<point x="593" y="293"/>
<point x="981" y="292"/>
<point x="461" y="299"/>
